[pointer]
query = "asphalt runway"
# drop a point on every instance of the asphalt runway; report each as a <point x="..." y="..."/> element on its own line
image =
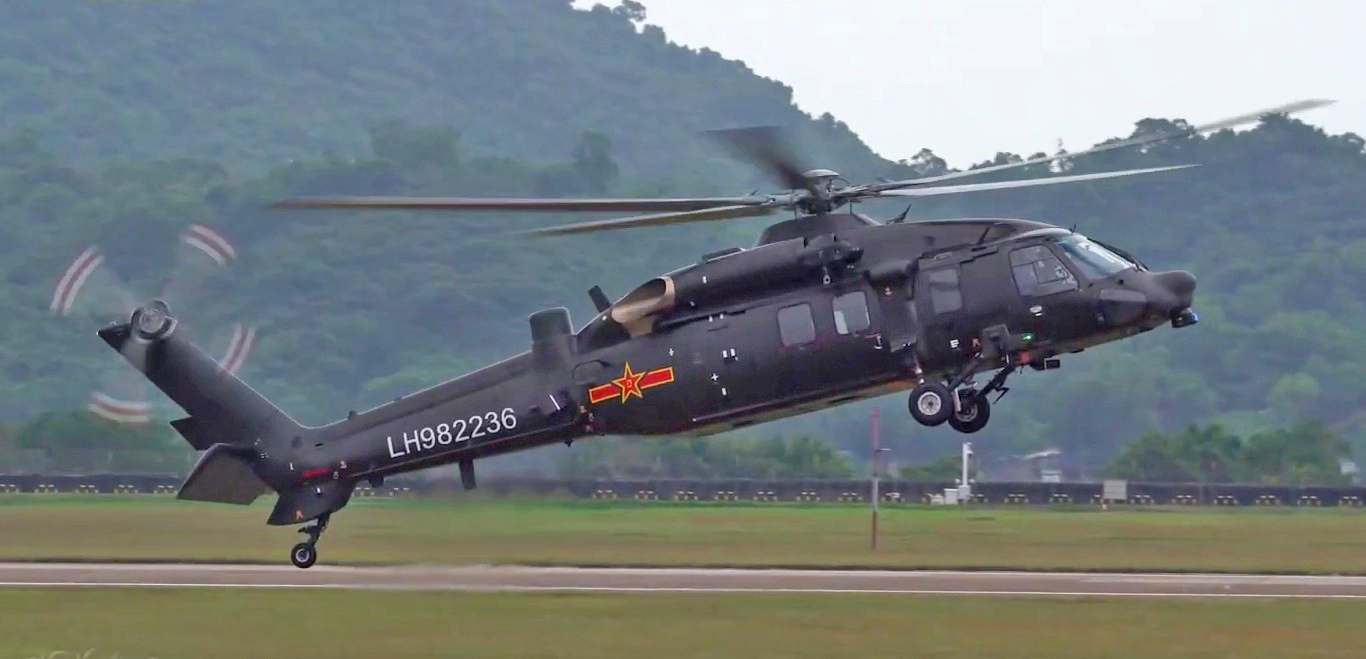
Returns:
<point x="489" y="578"/>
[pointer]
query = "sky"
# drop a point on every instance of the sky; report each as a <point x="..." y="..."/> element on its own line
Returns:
<point x="968" y="78"/>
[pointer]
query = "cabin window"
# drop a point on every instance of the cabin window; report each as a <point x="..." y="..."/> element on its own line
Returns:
<point x="795" y="325"/>
<point x="851" y="313"/>
<point x="945" y="296"/>
<point x="1039" y="272"/>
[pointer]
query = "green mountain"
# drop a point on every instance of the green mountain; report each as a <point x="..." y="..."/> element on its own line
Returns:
<point x="125" y="122"/>
<point x="253" y="82"/>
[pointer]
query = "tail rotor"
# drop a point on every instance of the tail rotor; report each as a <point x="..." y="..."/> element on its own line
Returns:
<point x="89" y="288"/>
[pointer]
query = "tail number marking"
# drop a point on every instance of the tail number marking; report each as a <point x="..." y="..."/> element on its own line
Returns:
<point x="455" y="432"/>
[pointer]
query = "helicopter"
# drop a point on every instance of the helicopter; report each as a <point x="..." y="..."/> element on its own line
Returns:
<point x="828" y="307"/>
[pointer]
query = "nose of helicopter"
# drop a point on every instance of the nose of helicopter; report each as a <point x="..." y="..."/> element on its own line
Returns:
<point x="1180" y="285"/>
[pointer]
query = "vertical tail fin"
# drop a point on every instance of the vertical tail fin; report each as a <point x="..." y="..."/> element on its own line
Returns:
<point x="222" y="408"/>
<point x="228" y="420"/>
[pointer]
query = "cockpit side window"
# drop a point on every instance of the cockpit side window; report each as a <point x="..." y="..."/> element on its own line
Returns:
<point x="1093" y="259"/>
<point x="1039" y="272"/>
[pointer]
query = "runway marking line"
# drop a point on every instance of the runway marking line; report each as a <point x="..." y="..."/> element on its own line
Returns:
<point x="681" y="589"/>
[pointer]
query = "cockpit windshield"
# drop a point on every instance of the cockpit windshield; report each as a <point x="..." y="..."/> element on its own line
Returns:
<point x="1094" y="260"/>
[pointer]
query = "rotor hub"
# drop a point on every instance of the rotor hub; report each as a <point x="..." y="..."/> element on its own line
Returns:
<point x="152" y="321"/>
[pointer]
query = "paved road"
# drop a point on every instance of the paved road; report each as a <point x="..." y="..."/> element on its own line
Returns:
<point x="677" y="580"/>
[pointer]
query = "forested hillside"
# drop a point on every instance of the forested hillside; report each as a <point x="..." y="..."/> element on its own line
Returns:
<point x="252" y="82"/>
<point x="174" y="113"/>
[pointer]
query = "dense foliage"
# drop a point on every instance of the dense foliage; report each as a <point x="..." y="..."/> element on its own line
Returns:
<point x="171" y="113"/>
<point x="77" y="442"/>
<point x="252" y="82"/>
<point x="1306" y="453"/>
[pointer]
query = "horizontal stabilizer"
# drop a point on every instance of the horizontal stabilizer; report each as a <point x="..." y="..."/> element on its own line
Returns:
<point x="223" y="475"/>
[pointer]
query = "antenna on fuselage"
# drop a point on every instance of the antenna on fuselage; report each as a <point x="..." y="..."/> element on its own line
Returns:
<point x="600" y="301"/>
<point x="902" y="217"/>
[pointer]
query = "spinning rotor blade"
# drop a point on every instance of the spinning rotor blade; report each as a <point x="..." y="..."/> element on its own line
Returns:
<point x="88" y="287"/>
<point x="1297" y="106"/>
<point x="201" y="253"/>
<point x="705" y="215"/>
<point x="1023" y="183"/>
<point x="765" y="147"/>
<point x="510" y="204"/>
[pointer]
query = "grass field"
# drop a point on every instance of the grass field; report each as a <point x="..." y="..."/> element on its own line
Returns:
<point x="137" y="624"/>
<point x="143" y="527"/>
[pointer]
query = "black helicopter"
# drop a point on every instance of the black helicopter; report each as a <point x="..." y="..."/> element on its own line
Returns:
<point x="827" y="308"/>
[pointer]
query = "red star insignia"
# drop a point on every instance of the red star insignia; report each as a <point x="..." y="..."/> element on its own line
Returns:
<point x="629" y="383"/>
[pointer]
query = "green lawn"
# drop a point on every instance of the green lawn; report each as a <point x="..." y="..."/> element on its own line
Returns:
<point x="145" y="527"/>
<point x="203" y="623"/>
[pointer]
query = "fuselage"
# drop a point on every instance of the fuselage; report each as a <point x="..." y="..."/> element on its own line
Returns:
<point x="825" y="310"/>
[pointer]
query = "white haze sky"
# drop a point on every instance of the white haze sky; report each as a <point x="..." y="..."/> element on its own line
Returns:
<point x="968" y="78"/>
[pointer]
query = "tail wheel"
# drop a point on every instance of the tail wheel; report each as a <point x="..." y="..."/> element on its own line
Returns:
<point x="304" y="555"/>
<point x="931" y="403"/>
<point x="975" y="412"/>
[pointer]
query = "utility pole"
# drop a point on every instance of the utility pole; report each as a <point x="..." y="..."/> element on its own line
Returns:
<point x="964" y="487"/>
<point x="877" y="469"/>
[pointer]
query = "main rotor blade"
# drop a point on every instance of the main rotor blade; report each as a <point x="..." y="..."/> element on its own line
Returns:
<point x="1288" y="108"/>
<point x="705" y="215"/>
<point x="765" y="147"/>
<point x="1023" y="183"/>
<point x="513" y="204"/>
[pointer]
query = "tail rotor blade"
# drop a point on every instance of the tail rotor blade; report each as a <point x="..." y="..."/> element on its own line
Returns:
<point x="88" y="286"/>
<point x="240" y="339"/>
<point x="121" y="396"/>
<point x="200" y="253"/>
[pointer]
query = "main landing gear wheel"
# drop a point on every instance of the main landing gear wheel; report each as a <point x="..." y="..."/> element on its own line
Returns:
<point x="975" y="412"/>
<point x="931" y="403"/>
<point x="304" y="555"/>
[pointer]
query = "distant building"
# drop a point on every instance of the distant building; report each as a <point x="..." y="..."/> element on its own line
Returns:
<point x="1349" y="469"/>
<point x="1050" y="465"/>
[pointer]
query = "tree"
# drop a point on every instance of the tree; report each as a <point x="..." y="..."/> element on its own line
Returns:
<point x="1293" y="395"/>
<point x="593" y="162"/>
<point x="1305" y="453"/>
<point x="426" y="149"/>
<point x="1154" y="457"/>
<point x="80" y="441"/>
<point x="630" y="10"/>
<point x="947" y="468"/>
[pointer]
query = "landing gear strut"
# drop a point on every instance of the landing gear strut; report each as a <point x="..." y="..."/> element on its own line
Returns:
<point x="966" y="409"/>
<point x="305" y="554"/>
